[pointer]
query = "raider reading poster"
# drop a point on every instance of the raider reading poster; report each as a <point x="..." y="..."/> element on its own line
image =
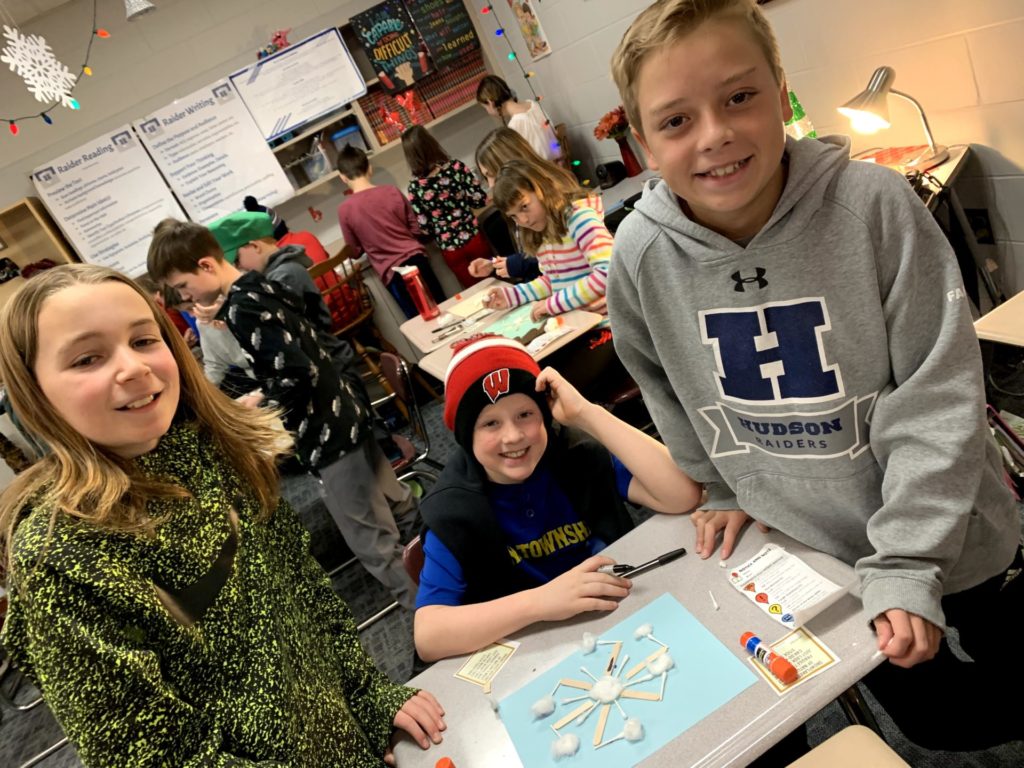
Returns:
<point x="396" y="50"/>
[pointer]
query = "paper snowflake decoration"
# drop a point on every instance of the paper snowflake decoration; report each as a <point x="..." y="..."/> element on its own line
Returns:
<point x="30" y="56"/>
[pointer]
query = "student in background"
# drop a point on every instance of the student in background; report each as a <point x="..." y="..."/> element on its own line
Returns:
<point x="498" y="147"/>
<point x="162" y="595"/>
<point x="524" y="505"/>
<point x="526" y="119"/>
<point x="379" y="222"/>
<point x="444" y="195"/>
<point x="810" y="308"/>
<point x="328" y="415"/>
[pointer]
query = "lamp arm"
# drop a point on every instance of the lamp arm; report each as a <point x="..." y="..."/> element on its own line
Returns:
<point x="920" y="111"/>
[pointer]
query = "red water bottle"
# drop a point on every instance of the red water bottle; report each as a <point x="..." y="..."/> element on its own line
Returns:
<point x="421" y="297"/>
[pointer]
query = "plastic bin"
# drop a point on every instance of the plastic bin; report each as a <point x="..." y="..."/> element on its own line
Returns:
<point x="348" y="135"/>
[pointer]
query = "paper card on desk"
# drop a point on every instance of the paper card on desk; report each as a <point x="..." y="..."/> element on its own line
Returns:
<point x="805" y="652"/>
<point x="703" y="675"/>
<point x="484" y="665"/>
<point x="470" y="306"/>
<point x="784" y="586"/>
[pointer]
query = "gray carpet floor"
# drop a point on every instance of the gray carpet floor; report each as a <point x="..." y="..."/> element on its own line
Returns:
<point x="389" y="641"/>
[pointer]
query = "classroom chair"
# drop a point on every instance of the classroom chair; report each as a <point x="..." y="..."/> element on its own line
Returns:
<point x="399" y="379"/>
<point x="853" y="747"/>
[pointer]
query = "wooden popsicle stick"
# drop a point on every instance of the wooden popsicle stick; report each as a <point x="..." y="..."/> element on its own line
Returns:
<point x="614" y="655"/>
<point x="645" y="695"/>
<point x="602" y="720"/>
<point x="585" y="707"/>
<point x="582" y="684"/>
<point x="639" y="667"/>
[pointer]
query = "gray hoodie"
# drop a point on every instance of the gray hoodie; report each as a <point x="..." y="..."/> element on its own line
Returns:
<point x="825" y="378"/>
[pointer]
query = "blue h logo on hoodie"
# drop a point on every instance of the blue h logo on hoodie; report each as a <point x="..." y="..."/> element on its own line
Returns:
<point x="772" y="353"/>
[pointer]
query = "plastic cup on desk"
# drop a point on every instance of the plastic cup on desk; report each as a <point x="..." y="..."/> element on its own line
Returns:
<point x="421" y="297"/>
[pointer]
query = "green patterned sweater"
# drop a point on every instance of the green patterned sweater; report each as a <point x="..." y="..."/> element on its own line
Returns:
<point x="216" y="642"/>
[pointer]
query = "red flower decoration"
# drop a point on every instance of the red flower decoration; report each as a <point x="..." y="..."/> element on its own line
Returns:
<point x="613" y="125"/>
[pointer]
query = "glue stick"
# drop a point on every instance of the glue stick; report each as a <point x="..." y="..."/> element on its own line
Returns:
<point x="777" y="665"/>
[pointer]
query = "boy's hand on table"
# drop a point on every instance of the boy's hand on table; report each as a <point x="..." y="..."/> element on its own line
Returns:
<point x="906" y="638"/>
<point x="422" y="717"/>
<point x="709" y="522"/>
<point x="581" y="589"/>
<point x="565" y="401"/>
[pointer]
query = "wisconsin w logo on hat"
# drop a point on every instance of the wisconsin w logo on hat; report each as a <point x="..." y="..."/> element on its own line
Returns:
<point x="496" y="384"/>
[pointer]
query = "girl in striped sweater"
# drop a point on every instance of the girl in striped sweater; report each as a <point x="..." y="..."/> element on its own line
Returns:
<point x="563" y="226"/>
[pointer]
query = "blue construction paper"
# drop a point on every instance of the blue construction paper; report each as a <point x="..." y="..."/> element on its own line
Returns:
<point x="706" y="675"/>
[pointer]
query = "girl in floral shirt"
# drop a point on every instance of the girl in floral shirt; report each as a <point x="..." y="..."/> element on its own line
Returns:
<point x="444" y="194"/>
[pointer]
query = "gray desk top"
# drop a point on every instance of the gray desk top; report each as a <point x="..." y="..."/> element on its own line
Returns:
<point x="733" y="735"/>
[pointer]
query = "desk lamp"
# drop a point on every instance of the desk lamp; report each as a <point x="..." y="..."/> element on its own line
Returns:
<point x="868" y="112"/>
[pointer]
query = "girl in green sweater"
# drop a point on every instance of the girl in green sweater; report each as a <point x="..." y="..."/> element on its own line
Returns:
<point x="161" y="593"/>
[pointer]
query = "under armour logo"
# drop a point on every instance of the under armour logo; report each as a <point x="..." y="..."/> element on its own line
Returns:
<point x="496" y="384"/>
<point x="759" y="279"/>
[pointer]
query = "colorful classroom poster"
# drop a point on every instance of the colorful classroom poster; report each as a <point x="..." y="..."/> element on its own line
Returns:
<point x="107" y="196"/>
<point x="446" y="29"/>
<point x="529" y="25"/>
<point x="396" y="50"/>
<point x="212" y="154"/>
<point x="661" y="700"/>
<point x="300" y="83"/>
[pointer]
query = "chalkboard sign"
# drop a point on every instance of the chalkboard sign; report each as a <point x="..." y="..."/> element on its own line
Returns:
<point x="446" y="29"/>
<point x="396" y="50"/>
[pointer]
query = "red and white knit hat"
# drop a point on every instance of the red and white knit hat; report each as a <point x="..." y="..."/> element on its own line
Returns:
<point x="480" y="373"/>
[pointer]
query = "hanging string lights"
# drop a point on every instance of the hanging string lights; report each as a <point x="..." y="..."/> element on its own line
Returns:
<point x="46" y="78"/>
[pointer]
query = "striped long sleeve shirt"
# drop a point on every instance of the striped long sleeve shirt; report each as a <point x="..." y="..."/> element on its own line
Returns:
<point x="574" y="271"/>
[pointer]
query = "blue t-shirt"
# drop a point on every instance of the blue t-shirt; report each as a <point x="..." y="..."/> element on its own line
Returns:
<point x="544" y="534"/>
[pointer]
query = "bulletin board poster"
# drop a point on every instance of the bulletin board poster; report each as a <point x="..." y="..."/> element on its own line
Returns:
<point x="398" y="53"/>
<point x="300" y="83"/>
<point x="107" y="196"/>
<point x="212" y="154"/>
<point x="446" y="29"/>
<point x="529" y="25"/>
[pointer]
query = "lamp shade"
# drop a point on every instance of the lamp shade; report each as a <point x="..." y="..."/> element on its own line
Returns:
<point x="868" y="111"/>
<point x="135" y="8"/>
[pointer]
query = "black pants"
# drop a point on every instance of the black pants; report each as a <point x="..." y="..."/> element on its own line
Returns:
<point x="959" y="706"/>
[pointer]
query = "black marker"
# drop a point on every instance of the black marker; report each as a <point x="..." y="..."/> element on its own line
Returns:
<point x="631" y="570"/>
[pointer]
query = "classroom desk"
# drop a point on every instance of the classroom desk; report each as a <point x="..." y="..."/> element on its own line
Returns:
<point x="615" y="196"/>
<point x="419" y="332"/>
<point x="1004" y="324"/>
<point x="734" y="734"/>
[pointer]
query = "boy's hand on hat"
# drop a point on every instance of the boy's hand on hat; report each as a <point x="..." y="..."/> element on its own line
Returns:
<point x="540" y="309"/>
<point x="495" y="299"/>
<point x="581" y="589"/>
<point x="906" y="638"/>
<point x="422" y="717"/>
<point x="566" y="403"/>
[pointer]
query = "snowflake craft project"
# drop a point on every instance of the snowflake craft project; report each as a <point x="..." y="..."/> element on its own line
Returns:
<point x="31" y="58"/>
<point x="605" y="692"/>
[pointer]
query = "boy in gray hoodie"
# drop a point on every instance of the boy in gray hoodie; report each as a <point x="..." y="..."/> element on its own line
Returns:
<point x="798" y="326"/>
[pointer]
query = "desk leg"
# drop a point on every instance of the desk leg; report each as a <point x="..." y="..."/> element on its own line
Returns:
<point x="856" y="709"/>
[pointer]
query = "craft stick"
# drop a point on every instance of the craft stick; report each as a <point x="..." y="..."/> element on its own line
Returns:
<point x="576" y="712"/>
<point x="583" y="718"/>
<point x="611" y="659"/>
<point x="643" y="664"/>
<point x="645" y="695"/>
<point x="602" y="720"/>
<point x="582" y="684"/>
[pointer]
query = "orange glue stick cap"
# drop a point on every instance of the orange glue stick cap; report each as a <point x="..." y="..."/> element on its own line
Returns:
<point x="444" y="762"/>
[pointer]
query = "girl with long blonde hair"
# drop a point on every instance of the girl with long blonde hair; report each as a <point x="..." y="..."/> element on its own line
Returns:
<point x="161" y="593"/>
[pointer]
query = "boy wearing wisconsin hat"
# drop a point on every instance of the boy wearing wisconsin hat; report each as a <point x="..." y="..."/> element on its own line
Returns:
<point x="534" y="490"/>
<point x="325" y="411"/>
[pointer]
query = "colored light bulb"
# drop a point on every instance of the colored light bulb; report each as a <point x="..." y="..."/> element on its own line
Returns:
<point x="13" y="128"/>
<point x="101" y="32"/>
<point x="47" y="119"/>
<point x="499" y="32"/>
<point x="87" y="70"/>
<point x="75" y="104"/>
<point x="512" y="56"/>
<point x="576" y="163"/>
<point x="485" y="9"/>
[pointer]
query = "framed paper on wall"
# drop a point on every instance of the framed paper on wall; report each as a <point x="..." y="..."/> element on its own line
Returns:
<point x="529" y="25"/>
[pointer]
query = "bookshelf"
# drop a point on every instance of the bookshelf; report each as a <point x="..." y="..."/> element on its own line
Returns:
<point x="28" y="234"/>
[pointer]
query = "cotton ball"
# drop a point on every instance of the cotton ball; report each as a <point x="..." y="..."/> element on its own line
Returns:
<point x="633" y="730"/>
<point x="565" y="746"/>
<point x="543" y="707"/>
<point x="643" y="631"/>
<point x="606" y="690"/>
<point x="660" y="664"/>
<point x="589" y="642"/>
